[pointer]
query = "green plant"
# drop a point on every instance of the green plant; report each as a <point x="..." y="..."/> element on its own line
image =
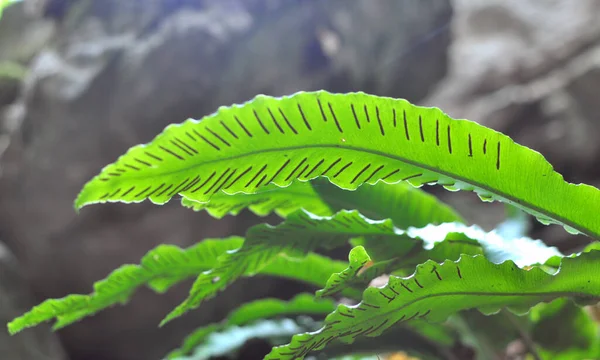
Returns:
<point x="297" y="156"/>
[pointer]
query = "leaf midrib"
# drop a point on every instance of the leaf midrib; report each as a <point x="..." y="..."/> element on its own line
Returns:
<point x="549" y="294"/>
<point x="393" y="157"/>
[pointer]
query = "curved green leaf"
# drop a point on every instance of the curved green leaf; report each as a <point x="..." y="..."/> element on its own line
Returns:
<point x="264" y="309"/>
<point x="164" y="263"/>
<point x="350" y="139"/>
<point x="436" y="291"/>
<point x="300" y="233"/>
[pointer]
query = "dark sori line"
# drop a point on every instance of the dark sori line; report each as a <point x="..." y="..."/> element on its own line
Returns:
<point x="302" y="171"/>
<point x="470" y="146"/>
<point x="406" y="287"/>
<point x="296" y="169"/>
<point x="390" y="174"/>
<point x="218" y="137"/>
<point x="205" y="182"/>
<point x="394" y="116"/>
<point x="132" y="167"/>
<point x="304" y="118"/>
<point x="164" y="190"/>
<point x="261" y="180"/>
<point x="379" y="121"/>
<point x="186" y="145"/>
<point x="412" y="177"/>
<point x="279" y="171"/>
<point x="366" y="113"/>
<point x="331" y="166"/>
<point x="182" y="148"/>
<point x="178" y="187"/>
<point x="322" y="111"/>
<point x="437" y="132"/>
<point x="315" y="168"/>
<point x="355" y="117"/>
<point x="360" y="173"/>
<point x="374" y="173"/>
<point x="458" y="272"/>
<point x="449" y="140"/>
<point x="275" y="121"/>
<point x="406" y="126"/>
<point x="142" y="192"/>
<point x="228" y="129"/>
<point x="142" y="162"/>
<point x="342" y="169"/>
<point x="418" y="284"/>
<point x="191" y="136"/>
<point x="153" y="156"/>
<point x="155" y="190"/>
<point x="434" y="270"/>
<point x="335" y="118"/>
<point x="484" y="146"/>
<point x="128" y="191"/>
<point x="113" y="174"/>
<point x="171" y="152"/>
<point x="421" y="129"/>
<point x="498" y="157"/>
<point x="288" y="122"/>
<point x="260" y="122"/>
<point x="192" y="183"/>
<point x="258" y="173"/>
<point x="121" y="170"/>
<point x="242" y="126"/>
<point x="208" y="142"/>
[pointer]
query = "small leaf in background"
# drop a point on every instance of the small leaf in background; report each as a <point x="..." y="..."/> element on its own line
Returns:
<point x="564" y="330"/>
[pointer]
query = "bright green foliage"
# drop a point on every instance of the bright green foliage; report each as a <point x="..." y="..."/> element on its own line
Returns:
<point x="350" y="139"/>
<point x="298" y="156"/>
<point x="436" y="291"/>
<point x="254" y="311"/>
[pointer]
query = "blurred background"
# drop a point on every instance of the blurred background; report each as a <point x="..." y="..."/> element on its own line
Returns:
<point x="83" y="80"/>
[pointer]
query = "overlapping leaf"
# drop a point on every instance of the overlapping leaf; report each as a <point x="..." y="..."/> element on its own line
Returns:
<point x="436" y="291"/>
<point x="350" y="139"/>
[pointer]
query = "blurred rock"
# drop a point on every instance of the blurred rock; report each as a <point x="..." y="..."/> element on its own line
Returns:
<point x="15" y="297"/>
<point x="117" y="72"/>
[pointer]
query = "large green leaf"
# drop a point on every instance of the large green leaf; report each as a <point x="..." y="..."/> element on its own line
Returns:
<point x="303" y="304"/>
<point x="350" y="139"/>
<point x="436" y="291"/>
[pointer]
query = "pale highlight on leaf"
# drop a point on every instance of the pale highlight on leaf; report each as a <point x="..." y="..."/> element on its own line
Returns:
<point x="350" y="139"/>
